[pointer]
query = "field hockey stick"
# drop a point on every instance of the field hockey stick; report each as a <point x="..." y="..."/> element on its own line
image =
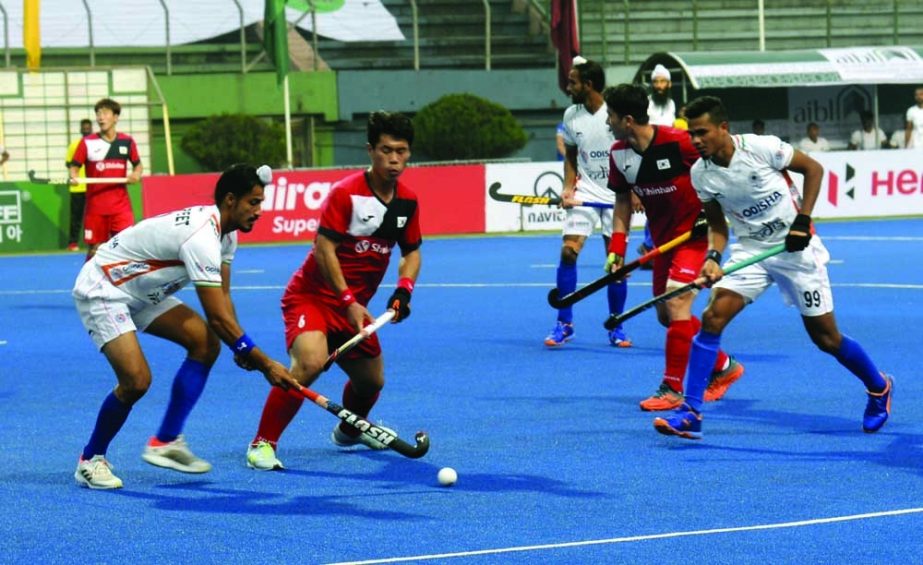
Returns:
<point x="359" y="337"/>
<point x="72" y="181"/>
<point x="614" y="320"/>
<point x="356" y="421"/>
<point x="699" y="229"/>
<point x="529" y="200"/>
<point x="369" y="429"/>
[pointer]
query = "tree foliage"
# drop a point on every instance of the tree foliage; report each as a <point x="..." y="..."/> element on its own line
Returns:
<point x="464" y="126"/>
<point x="218" y="142"/>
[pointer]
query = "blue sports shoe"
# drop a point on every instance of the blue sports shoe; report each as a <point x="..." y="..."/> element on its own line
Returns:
<point x="560" y="334"/>
<point x="617" y="338"/>
<point x="685" y="423"/>
<point x="879" y="407"/>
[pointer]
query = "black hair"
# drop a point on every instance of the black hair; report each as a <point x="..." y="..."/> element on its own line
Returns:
<point x="395" y="124"/>
<point x="866" y="115"/>
<point x="238" y="179"/>
<point x="711" y="105"/>
<point x="110" y="104"/>
<point x="813" y="125"/>
<point x="592" y="72"/>
<point x="628" y="100"/>
<point x="86" y="121"/>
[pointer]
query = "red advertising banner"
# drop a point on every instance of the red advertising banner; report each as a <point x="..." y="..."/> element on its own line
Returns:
<point x="451" y="200"/>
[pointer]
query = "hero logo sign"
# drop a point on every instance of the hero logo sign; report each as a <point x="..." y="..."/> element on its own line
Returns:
<point x="833" y="185"/>
<point x="285" y="196"/>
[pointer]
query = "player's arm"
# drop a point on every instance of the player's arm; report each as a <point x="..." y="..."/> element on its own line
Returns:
<point x="799" y="233"/>
<point x="325" y="253"/>
<point x="621" y="222"/>
<point x="136" y="170"/>
<point x="570" y="176"/>
<point x="718" y="236"/>
<point x="407" y="271"/>
<point x="223" y="321"/>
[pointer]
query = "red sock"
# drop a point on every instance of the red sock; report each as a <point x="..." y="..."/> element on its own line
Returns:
<point x="356" y="404"/>
<point x="278" y="412"/>
<point x="679" y="342"/>
<point x="722" y="360"/>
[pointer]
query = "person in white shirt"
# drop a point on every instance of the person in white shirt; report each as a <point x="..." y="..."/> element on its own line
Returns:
<point x="814" y="142"/>
<point x="745" y="178"/>
<point x="128" y="285"/>
<point x="587" y="139"/>
<point x="662" y="110"/>
<point x="897" y="139"/>
<point x="913" y="133"/>
<point x="870" y="136"/>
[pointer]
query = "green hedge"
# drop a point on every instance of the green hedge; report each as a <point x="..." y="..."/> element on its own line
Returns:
<point x="218" y="142"/>
<point x="464" y="126"/>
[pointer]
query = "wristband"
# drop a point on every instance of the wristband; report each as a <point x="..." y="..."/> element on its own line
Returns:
<point x="714" y="255"/>
<point x="406" y="283"/>
<point x="243" y="346"/>
<point x="346" y="298"/>
<point x="618" y="243"/>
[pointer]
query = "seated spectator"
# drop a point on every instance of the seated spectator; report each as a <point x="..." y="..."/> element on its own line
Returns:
<point x="869" y="137"/>
<point x="759" y="127"/>
<point x="813" y="142"/>
<point x="897" y="139"/>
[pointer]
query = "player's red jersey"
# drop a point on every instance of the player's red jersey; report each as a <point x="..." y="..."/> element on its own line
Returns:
<point x="106" y="160"/>
<point x="660" y="177"/>
<point x="365" y="230"/>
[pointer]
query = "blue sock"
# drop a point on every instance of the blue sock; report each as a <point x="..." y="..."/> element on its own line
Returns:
<point x="567" y="283"/>
<point x="112" y="414"/>
<point x="701" y="362"/>
<point x="853" y="357"/>
<point x="617" y="294"/>
<point x="648" y="240"/>
<point x="187" y="388"/>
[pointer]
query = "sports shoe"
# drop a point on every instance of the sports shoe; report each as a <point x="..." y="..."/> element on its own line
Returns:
<point x="262" y="457"/>
<point x="721" y="381"/>
<point x="73" y="247"/>
<point x="685" y="423"/>
<point x="879" y="407"/>
<point x="560" y="334"/>
<point x="617" y="338"/>
<point x="174" y="455"/>
<point x="96" y="473"/>
<point x="340" y="439"/>
<point x="664" y="399"/>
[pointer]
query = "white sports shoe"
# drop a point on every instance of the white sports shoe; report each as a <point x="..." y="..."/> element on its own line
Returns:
<point x="262" y="457"/>
<point x="174" y="455"/>
<point x="96" y="473"/>
<point x="342" y="440"/>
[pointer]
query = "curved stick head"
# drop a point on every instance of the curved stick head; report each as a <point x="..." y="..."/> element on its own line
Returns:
<point x="422" y="446"/>
<point x="554" y="298"/>
<point x="611" y="322"/>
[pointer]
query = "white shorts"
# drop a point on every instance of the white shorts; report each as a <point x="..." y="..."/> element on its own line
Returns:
<point x="582" y="220"/>
<point x="802" y="277"/>
<point x="108" y="312"/>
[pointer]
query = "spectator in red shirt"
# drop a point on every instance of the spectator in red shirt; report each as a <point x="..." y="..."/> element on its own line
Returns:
<point x="106" y="155"/>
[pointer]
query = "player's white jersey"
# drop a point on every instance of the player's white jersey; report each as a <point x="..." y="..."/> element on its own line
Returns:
<point x="591" y="135"/>
<point x="753" y="191"/>
<point x="661" y="115"/>
<point x="158" y="256"/>
<point x="915" y="117"/>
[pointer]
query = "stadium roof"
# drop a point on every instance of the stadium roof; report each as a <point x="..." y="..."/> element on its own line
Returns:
<point x="807" y="67"/>
<point x="141" y="23"/>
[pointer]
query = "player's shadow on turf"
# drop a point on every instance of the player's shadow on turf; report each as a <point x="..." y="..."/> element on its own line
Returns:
<point x="204" y="497"/>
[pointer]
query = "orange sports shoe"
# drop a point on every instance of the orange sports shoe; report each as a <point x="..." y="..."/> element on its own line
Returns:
<point x="664" y="399"/>
<point x="721" y="381"/>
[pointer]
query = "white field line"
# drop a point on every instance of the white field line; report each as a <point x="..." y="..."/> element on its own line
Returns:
<point x="628" y="539"/>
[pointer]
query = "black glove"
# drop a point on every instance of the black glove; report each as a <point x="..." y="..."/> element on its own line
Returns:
<point x="700" y="227"/>
<point x="797" y="242"/>
<point x="400" y="303"/>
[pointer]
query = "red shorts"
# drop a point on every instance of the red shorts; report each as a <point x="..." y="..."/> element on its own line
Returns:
<point x="682" y="264"/>
<point x="98" y="228"/>
<point x="306" y="313"/>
